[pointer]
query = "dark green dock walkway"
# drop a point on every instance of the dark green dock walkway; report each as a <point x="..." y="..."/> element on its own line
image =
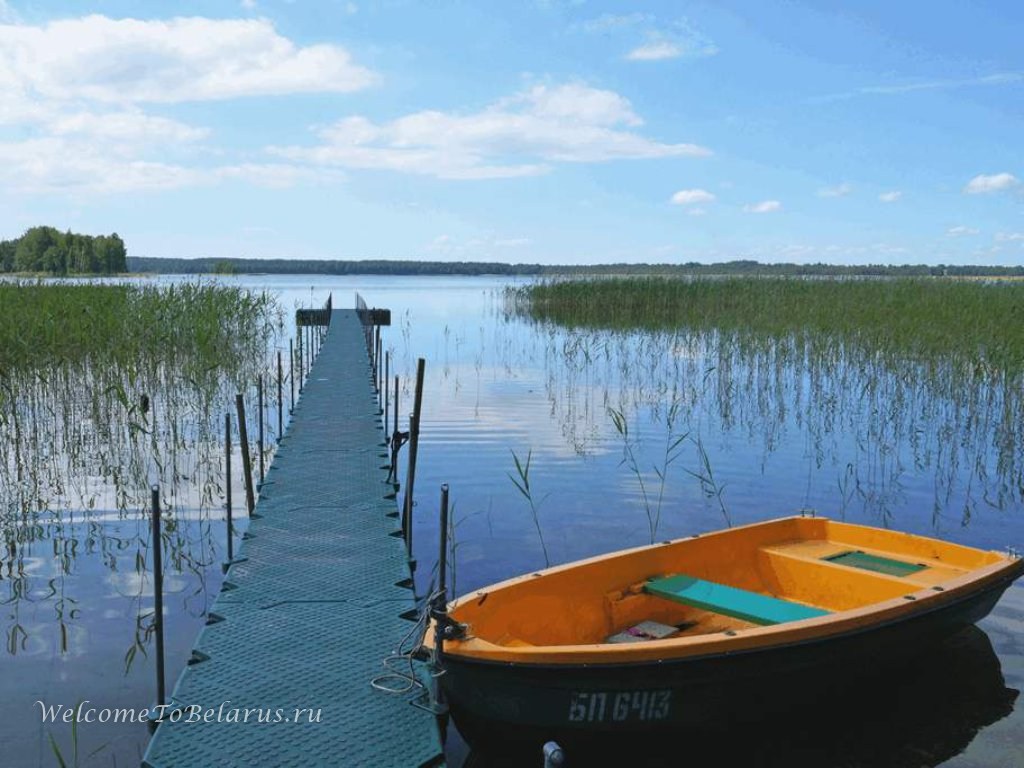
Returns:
<point x="306" y="618"/>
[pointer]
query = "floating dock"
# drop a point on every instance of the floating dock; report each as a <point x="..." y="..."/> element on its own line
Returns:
<point x="318" y="595"/>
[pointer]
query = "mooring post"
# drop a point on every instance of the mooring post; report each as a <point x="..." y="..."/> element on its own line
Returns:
<point x="259" y="397"/>
<point x="387" y="378"/>
<point x="442" y="556"/>
<point x="243" y="439"/>
<point x="439" y="606"/>
<point x="291" y="376"/>
<point x="280" y="397"/>
<point x="158" y="598"/>
<point x="414" y="439"/>
<point x="376" y="359"/>
<point x="298" y="354"/>
<point x="396" y="405"/>
<point x="227" y="488"/>
<point x="381" y="381"/>
<point x="368" y="334"/>
<point x="395" y="443"/>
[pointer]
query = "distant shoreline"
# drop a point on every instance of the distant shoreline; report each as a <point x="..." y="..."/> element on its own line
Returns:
<point x="211" y="266"/>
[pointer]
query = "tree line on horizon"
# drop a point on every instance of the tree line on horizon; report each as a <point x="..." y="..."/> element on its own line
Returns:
<point x="47" y="249"/>
<point x="411" y="267"/>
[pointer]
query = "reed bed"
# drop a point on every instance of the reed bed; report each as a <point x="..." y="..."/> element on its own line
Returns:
<point x="202" y="326"/>
<point x="982" y="321"/>
<point x="106" y="390"/>
<point x="884" y="380"/>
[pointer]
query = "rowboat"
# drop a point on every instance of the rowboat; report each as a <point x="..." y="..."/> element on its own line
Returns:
<point x="711" y="629"/>
<point x="956" y="690"/>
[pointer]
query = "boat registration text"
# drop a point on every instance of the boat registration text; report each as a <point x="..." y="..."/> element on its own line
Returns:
<point x="619" y="706"/>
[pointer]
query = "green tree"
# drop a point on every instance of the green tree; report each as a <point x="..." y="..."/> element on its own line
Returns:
<point x="28" y="254"/>
<point x="7" y="248"/>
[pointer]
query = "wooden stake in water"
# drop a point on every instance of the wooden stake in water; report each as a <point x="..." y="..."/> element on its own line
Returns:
<point x="376" y="360"/>
<point x="243" y="439"/>
<point x="300" y="357"/>
<point x="227" y="486"/>
<point x="158" y="598"/>
<point x="280" y="397"/>
<point x="440" y="607"/>
<point x="414" y="439"/>
<point x="378" y="381"/>
<point x="259" y="398"/>
<point x="442" y="559"/>
<point x="291" y="376"/>
<point x="396" y="408"/>
<point x="387" y="378"/>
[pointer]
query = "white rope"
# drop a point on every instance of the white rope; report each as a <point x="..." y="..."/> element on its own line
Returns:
<point x="404" y="656"/>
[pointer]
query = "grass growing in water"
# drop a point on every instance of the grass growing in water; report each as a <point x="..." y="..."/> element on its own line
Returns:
<point x="104" y="390"/>
<point x="885" y="380"/>
<point x="671" y="453"/>
<point x="201" y="328"/>
<point x="918" y="317"/>
<point x="521" y="481"/>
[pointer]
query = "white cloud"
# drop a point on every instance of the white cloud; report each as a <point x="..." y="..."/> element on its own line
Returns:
<point x="80" y="165"/>
<point x="62" y="165"/>
<point x="249" y="5"/>
<point x="655" y="50"/>
<point x="982" y="184"/>
<point x="610" y="22"/>
<point x="896" y="89"/>
<point x="696" y="212"/>
<point x="76" y="86"/>
<point x="890" y="197"/>
<point x="765" y="206"/>
<point x="840" y="190"/>
<point x="126" y="61"/>
<point x="128" y="126"/>
<point x="999" y="78"/>
<point x="275" y="175"/>
<point x="676" y="40"/>
<point x="518" y="136"/>
<point x="660" y="40"/>
<point x="513" y="242"/>
<point x="691" y="196"/>
<point x="1009" y="237"/>
<point x="962" y="231"/>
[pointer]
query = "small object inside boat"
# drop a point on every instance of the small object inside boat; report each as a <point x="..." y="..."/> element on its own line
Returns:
<point x="645" y="630"/>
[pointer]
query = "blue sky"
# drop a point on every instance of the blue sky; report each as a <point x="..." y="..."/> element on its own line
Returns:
<point x="552" y="131"/>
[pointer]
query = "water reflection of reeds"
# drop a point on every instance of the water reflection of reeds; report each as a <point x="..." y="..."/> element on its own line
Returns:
<point x="869" y="408"/>
<point x="108" y="390"/>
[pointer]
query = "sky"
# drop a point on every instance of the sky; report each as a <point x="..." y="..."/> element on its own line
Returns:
<point x="550" y="131"/>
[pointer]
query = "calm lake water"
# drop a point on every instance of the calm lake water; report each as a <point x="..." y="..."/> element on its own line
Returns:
<point x="739" y="430"/>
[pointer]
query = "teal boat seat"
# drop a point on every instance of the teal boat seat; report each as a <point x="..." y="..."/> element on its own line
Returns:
<point x="729" y="601"/>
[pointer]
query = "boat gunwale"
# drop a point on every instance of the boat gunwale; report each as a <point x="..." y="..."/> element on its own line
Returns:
<point x="917" y="601"/>
<point x="599" y="660"/>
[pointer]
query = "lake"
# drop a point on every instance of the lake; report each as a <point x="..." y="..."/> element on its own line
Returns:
<point x="630" y="438"/>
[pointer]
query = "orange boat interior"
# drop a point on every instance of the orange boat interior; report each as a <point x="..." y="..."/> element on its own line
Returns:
<point x="732" y="580"/>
